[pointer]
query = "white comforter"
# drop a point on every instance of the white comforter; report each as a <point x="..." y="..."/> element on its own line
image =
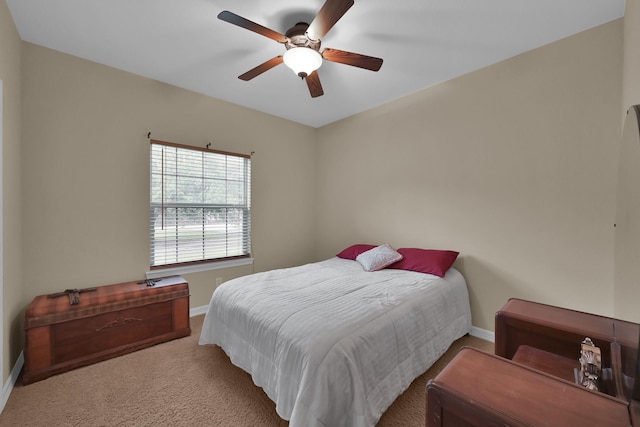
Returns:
<point x="331" y="344"/>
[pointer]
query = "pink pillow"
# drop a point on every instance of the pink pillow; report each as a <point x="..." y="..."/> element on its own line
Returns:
<point x="353" y="251"/>
<point x="429" y="261"/>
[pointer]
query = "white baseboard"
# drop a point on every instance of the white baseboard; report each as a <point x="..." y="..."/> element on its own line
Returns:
<point x="11" y="381"/>
<point x="196" y="311"/>
<point x="483" y="334"/>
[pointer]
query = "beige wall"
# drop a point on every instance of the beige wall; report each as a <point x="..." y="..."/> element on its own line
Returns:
<point x="631" y="68"/>
<point x="627" y="233"/>
<point x="627" y="250"/>
<point x="86" y="181"/>
<point x="12" y="198"/>
<point x="513" y="165"/>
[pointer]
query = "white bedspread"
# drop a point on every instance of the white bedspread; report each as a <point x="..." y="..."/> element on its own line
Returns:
<point x="331" y="344"/>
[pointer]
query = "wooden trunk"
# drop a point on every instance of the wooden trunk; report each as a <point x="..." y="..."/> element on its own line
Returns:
<point x="109" y="321"/>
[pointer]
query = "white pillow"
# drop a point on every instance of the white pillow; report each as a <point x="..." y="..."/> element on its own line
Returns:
<point x="378" y="257"/>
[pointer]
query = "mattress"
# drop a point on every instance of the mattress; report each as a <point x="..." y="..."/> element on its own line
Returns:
<point x="331" y="344"/>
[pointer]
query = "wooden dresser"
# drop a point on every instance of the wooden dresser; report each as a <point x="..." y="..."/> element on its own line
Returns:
<point x="559" y="330"/>
<point x="482" y="389"/>
<point x="548" y="338"/>
<point x="530" y="380"/>
<point x="107" y="321"/>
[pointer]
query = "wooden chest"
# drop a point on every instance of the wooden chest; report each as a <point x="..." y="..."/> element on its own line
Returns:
<point x="108" y="321"/>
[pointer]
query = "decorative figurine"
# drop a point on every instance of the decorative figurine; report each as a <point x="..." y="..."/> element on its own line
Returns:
<point x="590" y="365"/>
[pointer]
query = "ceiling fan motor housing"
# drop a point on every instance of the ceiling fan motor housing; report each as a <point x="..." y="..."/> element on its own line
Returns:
<point x="297" y="37"/>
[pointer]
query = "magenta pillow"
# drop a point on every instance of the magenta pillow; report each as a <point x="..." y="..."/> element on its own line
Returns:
<point x="353" y="251"/>
<point x="429" y="261"/>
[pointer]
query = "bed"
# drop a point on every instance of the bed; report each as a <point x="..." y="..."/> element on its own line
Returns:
<point x="332" y="344"/>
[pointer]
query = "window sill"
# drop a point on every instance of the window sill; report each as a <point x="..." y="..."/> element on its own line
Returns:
<point x="198" y="268"/>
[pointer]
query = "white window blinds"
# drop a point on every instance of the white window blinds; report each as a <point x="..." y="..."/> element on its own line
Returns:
<point x="200" y="205"/>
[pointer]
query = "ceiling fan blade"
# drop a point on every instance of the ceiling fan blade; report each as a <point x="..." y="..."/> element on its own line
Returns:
<point x="354" y="59"/>
<point x="327" y="17"/>
<point x="265" y="66"/>
<point x="313" y="82"/>
<point x="238" y="20"/>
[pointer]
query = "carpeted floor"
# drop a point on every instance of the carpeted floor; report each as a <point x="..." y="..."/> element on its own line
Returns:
<point x="178" y="383"/>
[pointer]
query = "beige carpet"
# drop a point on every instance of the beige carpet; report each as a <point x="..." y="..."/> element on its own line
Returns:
<point x="178" y="383"/>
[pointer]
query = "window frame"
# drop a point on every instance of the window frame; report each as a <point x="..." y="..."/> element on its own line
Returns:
<point x="202" y="264"/>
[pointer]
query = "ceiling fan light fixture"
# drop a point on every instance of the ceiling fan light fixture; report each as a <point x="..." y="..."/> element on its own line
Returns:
<point x="302" y="60"/>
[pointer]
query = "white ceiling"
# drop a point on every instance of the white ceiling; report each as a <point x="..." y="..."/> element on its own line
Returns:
<point x="422" y="42"/>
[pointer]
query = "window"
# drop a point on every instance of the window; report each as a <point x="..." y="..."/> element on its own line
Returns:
<point x="200" y="205"/>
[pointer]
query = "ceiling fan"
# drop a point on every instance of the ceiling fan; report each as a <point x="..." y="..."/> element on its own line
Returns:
<point x="302" y="42"/>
